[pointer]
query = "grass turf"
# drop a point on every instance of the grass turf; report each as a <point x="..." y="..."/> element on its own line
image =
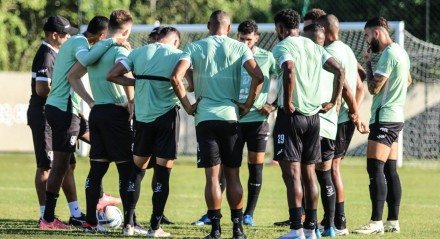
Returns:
<point x="19" y="211"/>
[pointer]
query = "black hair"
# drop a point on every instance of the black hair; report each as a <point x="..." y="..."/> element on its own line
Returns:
<point x="248" y="26"/>
<point x="97" y="25"/>
<point x="288" y="17"/>
<point x="314" y="14"/>
<point x="314" y="27"/>
<point x="377" y="22"/>
<point x="163" y="32"/>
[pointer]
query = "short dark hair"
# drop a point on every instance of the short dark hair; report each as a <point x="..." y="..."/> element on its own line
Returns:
<point x="97" y="24"/>
<point x="314" y="27"/>
<point x="288" y="17"/>
<point x="164" y="31"/>
<point x="118" y="18"/>
<point x="248" y="26"/>
<point x="377" y="22"/>
<point x="314" y="14"/>
<point x="218" y="17"/>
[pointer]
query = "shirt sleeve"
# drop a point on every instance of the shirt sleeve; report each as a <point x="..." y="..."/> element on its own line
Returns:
<point x="281" y="55"/>
<point x="44" y="71"/>
<point x="121" y="54"/>
<point x="385" y="65"/>
<point x="186" y="54"/>
<point x="247" y="54"/>
<point x="272" y="62"/>
<point x="128" y="61"/>
<point x="326" y="56"/>
<point x="87" y="56"/>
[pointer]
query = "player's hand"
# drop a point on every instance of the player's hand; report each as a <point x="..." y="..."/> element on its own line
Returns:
<point x="130" y="109"/>
<point x="123" y="42"/>
<point x="289" y="108"/>
<point x="367" y="54"/>
<point x="325" y="107"/>
<point x="362" y="127"/>
<point x="354" y="117"/>
<point x="191" y="109"/>
<point x="243" y="109"/>
<point x="266" y="109"/>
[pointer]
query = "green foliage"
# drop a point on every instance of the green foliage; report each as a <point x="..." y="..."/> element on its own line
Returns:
<point x="21" y="21"/>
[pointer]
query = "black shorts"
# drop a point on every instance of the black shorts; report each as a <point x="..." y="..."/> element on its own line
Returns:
<point x="110" y="133"/>
<point x="255" y="135"/>
<point x="83" y="126"/>
<point x="385" y="132"/>
<point x="343" y="138"/>
<point x="327" y="149"/>
<point x="218" y="142"/>
<point x="65" y="129"/>
<point x="160" y="137"/>
<point x="296" y="138"/>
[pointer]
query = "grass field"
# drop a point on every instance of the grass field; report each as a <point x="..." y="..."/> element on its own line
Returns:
<point x="420" y="210"/>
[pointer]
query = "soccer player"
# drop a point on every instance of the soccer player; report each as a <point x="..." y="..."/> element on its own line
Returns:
<point x="109" y="121"/>
<point x="331" y="175"/>
<point x="254" y="126"/>
<point x="388" y="84"/>
<point x="312" y="15"/>
<point x="217" y="62"/>
<point x="157" y="120"/>
<point x="62" y="110"/>
<point x="57" y="30"/>
<point x="296" y="132"/>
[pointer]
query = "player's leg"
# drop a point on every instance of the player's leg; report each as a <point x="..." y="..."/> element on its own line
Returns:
<point x="65" y="130"/>
<point x="328" y="195"/>
<point x="394" y="194"/>
<point x="77" y="218"/>
<point x="343" y="139"/>
<point x="165" y="220"/>
<point x="208" y="157"/>
<point x="256" y="143"/>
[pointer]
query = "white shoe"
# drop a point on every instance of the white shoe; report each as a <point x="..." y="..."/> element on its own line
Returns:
<point x="373" y="227"/>
<point x="128" y="230"/>
<point x="320" y="227"/>
<point x="140" y="230"/>
<point x="294" y="234"/>
<point x="157" y="233"/>
<point x="310" y="234"/>
<point x="341" y="232"/>
<point x="392" y="226"/>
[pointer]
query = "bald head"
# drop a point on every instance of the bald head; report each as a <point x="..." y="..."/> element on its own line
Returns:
<point x="219" y="19"/>
<point x="330" y="22"/>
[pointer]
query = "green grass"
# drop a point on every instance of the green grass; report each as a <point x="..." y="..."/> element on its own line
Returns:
<point x="420" y="210"/>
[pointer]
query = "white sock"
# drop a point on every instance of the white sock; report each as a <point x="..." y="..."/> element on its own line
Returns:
<point x="42" y="211"/>
<point x="75" y="211"/>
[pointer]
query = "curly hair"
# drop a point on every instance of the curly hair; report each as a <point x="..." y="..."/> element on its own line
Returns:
<point x="248" y="26"/>
<point x="314" y="14"/>
<point x="377" y="22"/>
<point x="288" y="17"/>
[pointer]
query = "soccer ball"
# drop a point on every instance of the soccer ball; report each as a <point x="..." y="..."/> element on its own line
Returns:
<point x="110" y="217"/>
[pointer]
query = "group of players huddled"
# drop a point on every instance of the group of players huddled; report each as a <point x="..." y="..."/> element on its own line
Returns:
<point x="319" y="93"/>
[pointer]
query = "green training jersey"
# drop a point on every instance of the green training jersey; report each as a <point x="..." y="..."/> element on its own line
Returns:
<point x="152" y="66"/>
<point x="105" y="92"/>
<point x="74" y="49"/>
<point x="217" y="62"/>
<point x="394" y="64"/>
<point x="346" y="58"/>
<point x="328" y="121"/>
<point x="267" y="64"/>
<point x="309" y="59"/>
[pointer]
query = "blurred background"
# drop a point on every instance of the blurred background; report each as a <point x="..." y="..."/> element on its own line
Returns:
<point x="21" y="23"/>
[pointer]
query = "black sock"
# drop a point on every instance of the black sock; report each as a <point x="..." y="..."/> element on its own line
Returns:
<point x="51" y="202"/>
<point x="160" y="195"/>
<point x="340" y="221"/>
<point x="237" y="221"/>
<point x="378" y="187"/>
<point x="295" y="215"/>
<point x="328" y="196"/>
<point x="394" y="194"/>
<point x="124" y="171"/>
<point x="254" y="186"/>
<point x="133" y="193"/>
<point x="215" y="216"/>
<point x="92" y="185"/>
<point x="311" y="217"/>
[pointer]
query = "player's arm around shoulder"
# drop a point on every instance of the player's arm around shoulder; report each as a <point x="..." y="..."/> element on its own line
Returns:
<point x="118" y="74"/>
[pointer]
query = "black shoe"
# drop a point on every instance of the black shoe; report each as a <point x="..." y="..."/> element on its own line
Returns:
<point x="166" y="221"/>
<point x="282" y="223"/>
<point x="216" y="236"/>
<point x="77" y="221"/>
